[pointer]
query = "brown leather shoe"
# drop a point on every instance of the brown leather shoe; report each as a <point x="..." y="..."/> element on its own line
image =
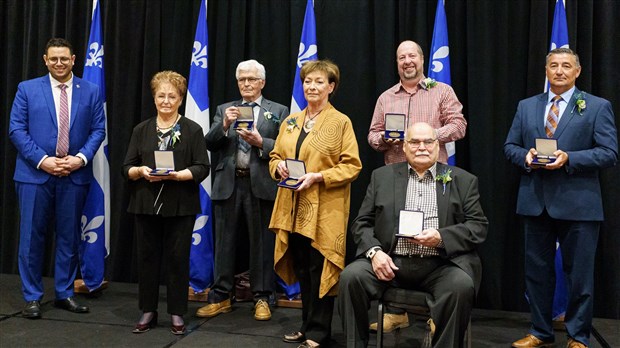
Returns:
<point x="392" y="322"/>
<point x="531" y="341"/>
<point x="261" y="310"/>
<point x="213" y="309"/>
<point x="575" y="344"/>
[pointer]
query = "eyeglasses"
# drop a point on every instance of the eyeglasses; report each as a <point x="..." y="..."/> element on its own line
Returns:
<point x="63" y="60"/>
<point x="414" y="143"/>
<point x="251" y="80"/>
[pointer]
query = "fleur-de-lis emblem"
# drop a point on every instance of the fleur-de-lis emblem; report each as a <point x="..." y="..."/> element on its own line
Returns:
<point x="199" y="55"/>
<point x="89" y="233"/>
<point x="305" y="55"/>
<point x="198" y="225"/>
<point x="95" y="55"/>
<point x="441" y="53"/>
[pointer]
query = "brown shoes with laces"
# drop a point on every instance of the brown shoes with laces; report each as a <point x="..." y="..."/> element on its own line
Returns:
<point x="213" y="309"/>
<point x="261" y="310"/>
<point x="531" y="341"/>
<point x="392" y="322"/>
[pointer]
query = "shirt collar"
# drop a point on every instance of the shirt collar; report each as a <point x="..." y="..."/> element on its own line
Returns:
<point x="56" y="83"/>
<point x="565" y="96"/>
<point x="432" y="170"/>
<point x="258" y="100"/>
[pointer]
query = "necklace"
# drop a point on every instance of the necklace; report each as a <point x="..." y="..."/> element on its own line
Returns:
<point x="168" y="127"/>
<point x="310" y="121"/>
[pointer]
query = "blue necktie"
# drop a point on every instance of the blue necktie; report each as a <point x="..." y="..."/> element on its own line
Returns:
<point x="243" y="145"/>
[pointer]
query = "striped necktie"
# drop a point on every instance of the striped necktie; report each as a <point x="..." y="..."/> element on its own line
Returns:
<point x="553" y="117"/>
<point x="62" y="145"/>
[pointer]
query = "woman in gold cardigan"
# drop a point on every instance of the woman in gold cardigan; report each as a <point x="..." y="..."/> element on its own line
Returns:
<point x="310" y="221"/>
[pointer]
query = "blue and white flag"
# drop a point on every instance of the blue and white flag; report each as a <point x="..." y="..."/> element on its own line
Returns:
<point x="559" y="38"/>
<point x="95" y="244"/>
<point x="197" y="109"/>
<point x="559" y="32"/>
<point x="307" y="51"/>
<point x="439" y="69"/>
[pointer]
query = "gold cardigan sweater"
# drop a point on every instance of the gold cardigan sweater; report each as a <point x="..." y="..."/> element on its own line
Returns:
<point x="320" y="212"/>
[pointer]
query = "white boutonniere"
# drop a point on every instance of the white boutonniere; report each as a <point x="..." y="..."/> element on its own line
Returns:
<point x="269" y="116"/>
<point x="580" y="103"/>
<point x="444" y="178"/>
<point x="428" y="83"/>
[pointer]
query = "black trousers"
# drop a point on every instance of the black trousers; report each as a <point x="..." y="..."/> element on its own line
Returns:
<point x="164" y="242"/>
<point x="452" y="289"/>
<point x="316" y="312"/>
<point x="257" y="213"/>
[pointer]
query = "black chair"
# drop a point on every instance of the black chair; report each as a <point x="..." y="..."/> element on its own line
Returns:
<point x="412" y="301"/>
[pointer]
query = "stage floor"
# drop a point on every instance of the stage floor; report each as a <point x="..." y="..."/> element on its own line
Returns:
<point x="113" y="315"/>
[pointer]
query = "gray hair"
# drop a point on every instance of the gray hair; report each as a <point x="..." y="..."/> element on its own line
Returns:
<point x="249" y="65"/>
<point x="562" y="50"/>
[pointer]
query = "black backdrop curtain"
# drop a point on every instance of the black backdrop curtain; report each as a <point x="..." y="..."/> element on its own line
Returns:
<point x="497" y="51"/>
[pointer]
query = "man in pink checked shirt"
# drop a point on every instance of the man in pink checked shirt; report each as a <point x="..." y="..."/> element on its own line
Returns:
<point x="421" y="100"/>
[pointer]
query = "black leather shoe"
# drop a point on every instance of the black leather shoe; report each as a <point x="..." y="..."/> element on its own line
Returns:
<point x="71" y="305"/>
<point x="32" y="310"/>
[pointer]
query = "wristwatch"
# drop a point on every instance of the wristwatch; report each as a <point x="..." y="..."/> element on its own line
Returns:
<point x="372" y="251"/>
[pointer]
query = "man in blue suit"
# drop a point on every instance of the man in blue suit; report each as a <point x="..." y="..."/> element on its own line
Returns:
<point x="57" y="124"/>
<point x="562" y="199"/>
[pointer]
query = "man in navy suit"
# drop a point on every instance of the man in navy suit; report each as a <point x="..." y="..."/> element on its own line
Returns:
<point x="243" y="190"/>
<point x="562" y="199"/>
<point x="57" y="124"/>
<point x="441" y="260"/>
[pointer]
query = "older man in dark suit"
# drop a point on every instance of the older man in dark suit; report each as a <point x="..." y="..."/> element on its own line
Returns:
<point x="441" y="260"/>
<point x="243" y="189"/>
<point x="561" y="200"/>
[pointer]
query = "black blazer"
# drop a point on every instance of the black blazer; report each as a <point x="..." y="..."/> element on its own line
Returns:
<point x="179" y="197"/>
<point x="224" y="146"/>
<point x="462" y="223"/>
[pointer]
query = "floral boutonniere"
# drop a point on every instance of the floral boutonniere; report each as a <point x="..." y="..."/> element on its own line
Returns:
<point x="176" y="134"/>
<point x="291" y="124"/>
<point x="580" y="103"/>
<point x="444" y="178"/>
<point x="269" y="116"/>
<point x="428" y="83"/>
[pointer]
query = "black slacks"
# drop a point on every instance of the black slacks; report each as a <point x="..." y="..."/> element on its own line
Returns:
<point x="452" y="289"/>
<point x="257" y="213"/>
<point x="316" y="312"/>
<point x="164" y="242"/>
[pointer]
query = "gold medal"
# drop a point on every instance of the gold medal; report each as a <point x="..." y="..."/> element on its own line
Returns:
<point x="394" y="134"/>
<point x="291" y="182"/>
<point x="543" y="160"/>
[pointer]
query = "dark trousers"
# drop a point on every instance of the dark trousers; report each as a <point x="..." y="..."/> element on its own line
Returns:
<point x="451" y="288"/>
<point x="59" y="199"/>
<point x="164" y="242"/>
<point x="578" y="241"/>
<point x="316" y="312"/>
<point x="257" y="213"/>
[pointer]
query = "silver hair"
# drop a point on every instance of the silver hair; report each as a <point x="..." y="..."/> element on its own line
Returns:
<point x="563" y="50"/>
<point x="249" y="65"/>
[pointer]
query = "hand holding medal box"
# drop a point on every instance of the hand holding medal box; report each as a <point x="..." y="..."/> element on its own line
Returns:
<point x="296" y="169"/>
<point x="545" y="149"/>
<point x="394" y="126"/>
<point x="245" y="119"/>
<point x="164" y="163"/>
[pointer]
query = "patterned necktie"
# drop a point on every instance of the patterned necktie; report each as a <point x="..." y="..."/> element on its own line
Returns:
<point x="553" y="117"/>
<point x="62" y="146"/>
<point x="243" y="145"/>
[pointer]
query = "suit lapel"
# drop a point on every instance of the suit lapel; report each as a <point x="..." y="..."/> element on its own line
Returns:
<point x="540" y="110"/>
<point x="265" y="106"/>
<point x="567" y="116"/>
<point x="443" y="197"/>
<point x="46" y="88"/>
<point x="401" y="177"/>
<point x="75" y="99"/>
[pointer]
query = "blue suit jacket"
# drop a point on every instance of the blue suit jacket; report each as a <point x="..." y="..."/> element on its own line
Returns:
<point x="591" y="142"/>
<point x="33" y="128"/>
